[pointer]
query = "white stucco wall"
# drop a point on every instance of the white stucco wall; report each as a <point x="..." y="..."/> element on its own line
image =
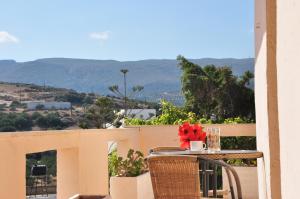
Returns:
<point x="140" y="113"/>
<point x="278" y="49"/>
<point x="261" y="100"/>
<point x="82" y="155"/>
<point x="48" y="105"/>
<point x="288" y="78"/>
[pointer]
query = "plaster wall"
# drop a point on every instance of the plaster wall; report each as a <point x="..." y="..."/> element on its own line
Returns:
<point x="277" y="96"/>
<point x="67" y="172"/>
<point x="82" y="155"/>
<point x="261" y="98"/>
<point x="288" y="71"/>
<point x="81" y="159"/>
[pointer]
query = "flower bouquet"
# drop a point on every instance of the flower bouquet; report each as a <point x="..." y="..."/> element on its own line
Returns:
<point x="190" y="132"/>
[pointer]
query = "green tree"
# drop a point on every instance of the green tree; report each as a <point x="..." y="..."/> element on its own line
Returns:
<point x="99" y="114"/>
<point x="215" y="90"/>
<point x="88" y="100"/>
<point x="41" y="122"/>
<point x="10" y="122"/>
<point x="54" y="121"/>
<point x="73" y="97"/>
<point x="23" y="122"/>
<point x="50" y="121"/>
<point x="35" y="115"/>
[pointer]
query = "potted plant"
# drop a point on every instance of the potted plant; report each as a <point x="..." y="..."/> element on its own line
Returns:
<point x="129" y="177"/>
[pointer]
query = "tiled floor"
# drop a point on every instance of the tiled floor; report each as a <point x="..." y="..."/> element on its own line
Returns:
<point x="50" y="196"/>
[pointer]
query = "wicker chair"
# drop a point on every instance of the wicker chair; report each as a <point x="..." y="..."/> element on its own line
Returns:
<point x="175" y="177"/>
<point x="208" y="172"/>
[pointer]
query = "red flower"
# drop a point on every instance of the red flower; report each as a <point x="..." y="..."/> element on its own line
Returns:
<point x="189" y="133"/>
<point x="184" y="129"/>
<point x="185" y="145"/>
<point x="199" y="134"/>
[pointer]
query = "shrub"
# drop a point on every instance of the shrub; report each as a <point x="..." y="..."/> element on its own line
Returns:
<point x="73" y="97"/>
<point x="133" y="165"/>
<point x="12" y="108"/>
<point x="2" y="107"/>
<point x="23" y="122"/>
<point x="8" y="129"/>
<point x="41" y="122"/>
<point x="40" y="107"/>
<point x="50" y="121"/>
<point x="176" y="115"/>
<point x="10" y="122"/>
<point x="35" y="116"/>
<point x="172" y="114"/>
<point x="17" y="104"/>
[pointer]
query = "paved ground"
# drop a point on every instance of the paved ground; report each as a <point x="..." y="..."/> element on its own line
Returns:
<point x="50" y="196"/>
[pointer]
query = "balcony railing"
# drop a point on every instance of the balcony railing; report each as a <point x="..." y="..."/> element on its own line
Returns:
<point x="82" y="164"/>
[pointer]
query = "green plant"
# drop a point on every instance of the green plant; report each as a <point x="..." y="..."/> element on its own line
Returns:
<point x="133" y="165"/>
<point x="2" y="107"/>
<point x="172" y="114"/>
<point x="176" y="115"/>
<point x="50" y="121"/>
<point x="40" y="107"/>
<point x="10" y="122"/>
<point x="98" y="114"/>
<point x="73" y="97"/>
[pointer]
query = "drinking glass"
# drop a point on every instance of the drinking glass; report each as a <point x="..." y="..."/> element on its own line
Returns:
<point x="217" y="139"/>
<point x="213" y="139"/>
<point x="209" y="139"/>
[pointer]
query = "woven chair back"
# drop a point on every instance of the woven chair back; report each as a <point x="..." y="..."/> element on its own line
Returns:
<point x="175" y="177"/>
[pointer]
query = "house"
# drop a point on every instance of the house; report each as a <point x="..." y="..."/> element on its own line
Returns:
<point x="140" y="113"/>
<point x="34" y="105"/>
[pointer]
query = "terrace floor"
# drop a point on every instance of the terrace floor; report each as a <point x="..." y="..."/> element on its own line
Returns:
<point x="50" y="196"/>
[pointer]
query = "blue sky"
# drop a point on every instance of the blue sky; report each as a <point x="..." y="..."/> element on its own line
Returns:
<point x="126" y="29"/>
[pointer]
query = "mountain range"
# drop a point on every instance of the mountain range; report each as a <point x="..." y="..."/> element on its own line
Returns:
<point x="160" y="77"/>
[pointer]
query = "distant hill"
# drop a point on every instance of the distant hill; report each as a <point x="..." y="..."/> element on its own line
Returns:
<point x="160" y="77"/>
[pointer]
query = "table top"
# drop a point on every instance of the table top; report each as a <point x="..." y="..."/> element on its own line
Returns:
<point x="223" y="154"/>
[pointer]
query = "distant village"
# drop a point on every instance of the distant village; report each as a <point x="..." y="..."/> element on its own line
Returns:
<point x="30" y="107"/>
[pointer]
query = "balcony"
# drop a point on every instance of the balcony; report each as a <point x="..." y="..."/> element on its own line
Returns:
<point x="82" y="164"/>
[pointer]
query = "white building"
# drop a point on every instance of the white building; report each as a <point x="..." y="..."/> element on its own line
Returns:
<point x="33" y="105"/>
<point x="140" y="113"/>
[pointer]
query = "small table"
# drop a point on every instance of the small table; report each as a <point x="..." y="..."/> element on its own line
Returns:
<point x="216" y="155"/>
